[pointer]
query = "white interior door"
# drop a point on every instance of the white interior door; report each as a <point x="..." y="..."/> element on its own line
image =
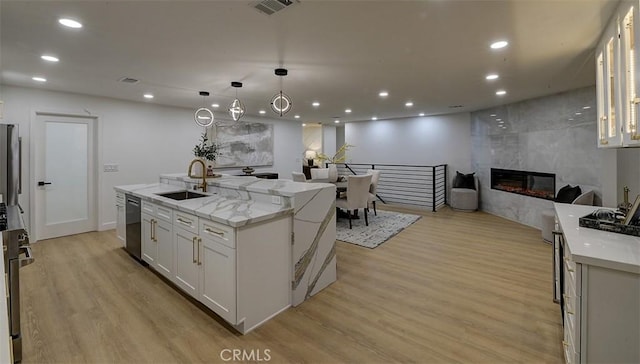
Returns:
<point x="64" y="175"/>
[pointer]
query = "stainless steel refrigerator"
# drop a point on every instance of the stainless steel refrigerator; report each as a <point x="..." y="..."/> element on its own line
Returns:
<point x="10" y="171"/>
<point x="15" y="239"/>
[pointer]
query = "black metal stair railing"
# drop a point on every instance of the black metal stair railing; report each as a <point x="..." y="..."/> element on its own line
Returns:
<point x="413" y="185"/>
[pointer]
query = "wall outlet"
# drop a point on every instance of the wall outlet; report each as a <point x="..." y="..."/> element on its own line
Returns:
<point x="276" y="200"/>
<point x="111" y="167"/>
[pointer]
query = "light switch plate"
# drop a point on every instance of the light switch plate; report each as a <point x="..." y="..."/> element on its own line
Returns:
<point x="276" y="200"/>
<point x="110" y="167"/>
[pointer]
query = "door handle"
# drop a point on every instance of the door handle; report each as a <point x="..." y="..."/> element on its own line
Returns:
<point x="42" y="183"/>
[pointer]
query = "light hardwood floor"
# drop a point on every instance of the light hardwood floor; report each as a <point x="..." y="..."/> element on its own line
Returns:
<point x="453" y="287"/>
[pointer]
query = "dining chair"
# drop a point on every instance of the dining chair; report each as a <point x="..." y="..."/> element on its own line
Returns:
<point x="357" y="196"/>
<point x="375" y="176"/>
<point x="320" y="173"/>
<point x="298" y="177"/>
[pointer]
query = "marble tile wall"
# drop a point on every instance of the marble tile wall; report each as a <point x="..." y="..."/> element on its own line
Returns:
<point x="551" y="134"/>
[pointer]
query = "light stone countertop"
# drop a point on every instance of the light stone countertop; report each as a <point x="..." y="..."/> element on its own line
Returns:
<point x="228" y="211"/>
<point x="597" y="247"/>
<point x="277" y="187"/>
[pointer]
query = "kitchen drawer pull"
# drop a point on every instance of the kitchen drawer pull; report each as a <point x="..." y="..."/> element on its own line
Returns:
<point x="571" y="312"/>
<point x="565" y="343"/>
<point x="219" y="233"/>
<point x="193" y="249"/>
<point x="184" y="222"/>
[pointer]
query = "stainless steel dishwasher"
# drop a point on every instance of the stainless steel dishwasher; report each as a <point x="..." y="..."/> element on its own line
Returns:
<point x="134" y="226"/>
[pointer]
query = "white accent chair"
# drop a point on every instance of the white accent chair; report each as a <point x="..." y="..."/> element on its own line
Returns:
<point x="298" y="177"/>
<point x="320" y="173"/>
<point x="548" y="216"/>
<point x="465" y="199"/>
<point x="373" y="188"/>
<point x="357" y="196"/>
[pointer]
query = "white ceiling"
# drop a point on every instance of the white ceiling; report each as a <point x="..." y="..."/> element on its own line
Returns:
<point x="340" y="53"/>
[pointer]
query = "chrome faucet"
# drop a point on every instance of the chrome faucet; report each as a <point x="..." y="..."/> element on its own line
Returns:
<point x="203" y="186"/>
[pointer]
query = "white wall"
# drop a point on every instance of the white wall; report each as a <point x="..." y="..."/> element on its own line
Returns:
<point x="329" y="139"/>
<point x="144" y="139"/>
<point x="428" y="140"/>
<point x="628" y="173"/>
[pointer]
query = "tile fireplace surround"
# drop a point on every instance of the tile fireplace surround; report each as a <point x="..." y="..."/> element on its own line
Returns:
<point x="542" y="134"/>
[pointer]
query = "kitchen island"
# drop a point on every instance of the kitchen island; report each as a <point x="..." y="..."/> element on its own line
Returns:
<point x="273" y="239"/>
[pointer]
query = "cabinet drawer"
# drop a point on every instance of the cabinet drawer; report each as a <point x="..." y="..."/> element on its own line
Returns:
<point x="148" y="207"/>
<point x="218" y="232"/>
<point x="185" y="221"/>
<point x="164" y="213"/>
<point x="119" y="199"/>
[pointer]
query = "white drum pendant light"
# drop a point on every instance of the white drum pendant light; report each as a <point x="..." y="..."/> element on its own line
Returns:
<point x="281" y="103"/>
<point x="236" y="108"/>
<point x="203" y="116"/>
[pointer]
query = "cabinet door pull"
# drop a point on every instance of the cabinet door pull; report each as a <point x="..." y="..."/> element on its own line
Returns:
<point x="184" y="222"/>
<point x="199" y="243"/>
<point x="565" y="343"/>
<point x="153" y="230"/>
<point x="193" y="249"/>
<point x="210" y="231"/>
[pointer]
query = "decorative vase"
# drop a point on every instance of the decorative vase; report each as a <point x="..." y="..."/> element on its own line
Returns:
<point x="333" y="172"/>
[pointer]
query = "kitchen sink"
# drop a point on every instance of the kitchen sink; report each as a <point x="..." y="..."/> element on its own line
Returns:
<point x="182" y="195"/>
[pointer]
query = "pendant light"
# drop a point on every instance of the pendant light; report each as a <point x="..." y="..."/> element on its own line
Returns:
<point x="281" y="103"/>
<point x="203" y="116"/>
<point x="236" y="108"/>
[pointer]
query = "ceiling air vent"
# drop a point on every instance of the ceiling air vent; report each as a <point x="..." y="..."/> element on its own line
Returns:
<point x="128" y="80"/>
<point x="272" y="6"/>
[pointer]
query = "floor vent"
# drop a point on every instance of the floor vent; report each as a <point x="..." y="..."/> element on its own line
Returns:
<point x="128" y="80"/>
<point x="273" y="6"/>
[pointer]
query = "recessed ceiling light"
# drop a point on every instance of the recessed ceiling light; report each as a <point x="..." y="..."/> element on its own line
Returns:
<point x="499" y="44"/>
<point x="262" y="112"/>
<point x="578" y="113"/>
<point x="337" y="121"/>
<point x="586" y="107"/>
<point x="421" y="114"/>
<point x="498" y="119"/>
<point x="348" y="111"/>
<point x="39" y="79"/>
<point x="315" y="104"/>
<point x="408" y="104"/>
<point x="492" y="115"/>
<point x="570" y="119"/>
<point x="303" y="124"/>
<point x="148" y="96"/>
<point x="70" y="23"/>
<point x="492" y="76"/>
<point x="215" y="105"/>
<point x="297" y="116"/>
<point x="501" y="92"/>
<point x="49" y="58"/>
<point x="383" y="94"/>
<point x="374" y="118"/>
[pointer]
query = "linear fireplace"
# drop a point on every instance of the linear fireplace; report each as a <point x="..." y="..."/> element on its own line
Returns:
<point x="534" y="184"/>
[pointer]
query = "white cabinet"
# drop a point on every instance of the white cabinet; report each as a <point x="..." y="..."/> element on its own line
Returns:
<point x="218" y="279"/>
<point x="121" y="223"/>
<point x="157" y="238"/>
<point x="617" y="79"/>
<point x="601" y="314"/>
<point x="186" y="252"/>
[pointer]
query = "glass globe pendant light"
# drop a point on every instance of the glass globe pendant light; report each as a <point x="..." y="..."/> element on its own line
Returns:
<point x="236" y="108"/>
<point x="281" y="103"/>
<point x="203" y="116"/>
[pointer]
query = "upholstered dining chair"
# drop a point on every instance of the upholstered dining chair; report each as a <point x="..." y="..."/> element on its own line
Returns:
<point x="320" y="173"/>
<point x="373" y="188"/>
<point x="298" y="177"/>
<point x="357" y="196"/>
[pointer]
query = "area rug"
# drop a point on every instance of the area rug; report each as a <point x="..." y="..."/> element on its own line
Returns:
<point x="381" y="228"/>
